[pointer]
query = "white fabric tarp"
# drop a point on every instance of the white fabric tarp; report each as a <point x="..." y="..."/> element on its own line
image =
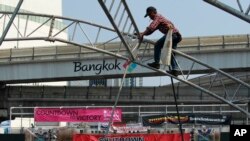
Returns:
<point x="167" y="49"/>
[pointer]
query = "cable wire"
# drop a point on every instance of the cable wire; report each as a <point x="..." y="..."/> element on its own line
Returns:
<point x="177" y="109"/>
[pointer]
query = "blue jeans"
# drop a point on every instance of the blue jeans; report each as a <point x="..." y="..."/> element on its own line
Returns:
<point x="159" y="44"/>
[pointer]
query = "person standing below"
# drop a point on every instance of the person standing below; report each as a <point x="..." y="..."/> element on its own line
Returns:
<point x="163" y="25"/>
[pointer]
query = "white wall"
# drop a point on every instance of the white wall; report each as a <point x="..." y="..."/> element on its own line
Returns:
<point x="53" y="7"/>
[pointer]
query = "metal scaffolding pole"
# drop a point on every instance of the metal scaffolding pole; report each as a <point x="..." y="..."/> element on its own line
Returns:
<point x="117" y="98"/>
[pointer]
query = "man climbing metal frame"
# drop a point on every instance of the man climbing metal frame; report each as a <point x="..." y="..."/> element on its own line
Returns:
<point x="167" y="28"/>
<point x="164" y="25"/>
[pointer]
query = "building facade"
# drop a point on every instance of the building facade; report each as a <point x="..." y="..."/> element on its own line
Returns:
<point x="24" y="25"/>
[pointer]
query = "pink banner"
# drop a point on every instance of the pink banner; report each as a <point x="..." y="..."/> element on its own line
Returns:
<point x="76" y="115"/>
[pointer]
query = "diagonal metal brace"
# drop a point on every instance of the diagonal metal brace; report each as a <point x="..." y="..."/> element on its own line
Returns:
<point x="117" y="98"/>
<point x="229" y="9"/>
<point x="11" y="21"/>
<point x="116" y="29"/>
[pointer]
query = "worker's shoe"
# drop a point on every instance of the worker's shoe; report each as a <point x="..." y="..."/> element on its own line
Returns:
<point x="154" y="65"/>
<point x="173" y="72"/>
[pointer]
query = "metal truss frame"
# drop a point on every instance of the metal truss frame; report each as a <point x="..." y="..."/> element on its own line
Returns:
<point x="11" y="21"/>
<point x="129" y="26"/>
<point x="240" y="12"/>
<point x="93" y="44"/>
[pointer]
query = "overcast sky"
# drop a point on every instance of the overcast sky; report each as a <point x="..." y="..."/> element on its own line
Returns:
<point x="192" y="17"/>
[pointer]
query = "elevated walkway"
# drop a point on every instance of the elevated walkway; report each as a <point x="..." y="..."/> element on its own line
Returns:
<point x="30" y="64"/>
<point x="46" y="95"/>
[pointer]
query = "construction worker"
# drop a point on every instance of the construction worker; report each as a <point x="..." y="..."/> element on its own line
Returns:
<point x="163" y="25"/>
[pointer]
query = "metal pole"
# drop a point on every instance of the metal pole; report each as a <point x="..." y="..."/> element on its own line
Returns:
<point x="10" y="118"/>
<point x="117" y="98"/>
<point x="177" y="109"/>
<point x="215" y="69"/>
<point x="21" y="110"/>
<point x="247" y="110"/>
<point x="229" y="9"/>
<point x="11" y="21"/>
<point x="130" y="16"/>
<point x="199" y="88"/>
<point x="116" y="29"/>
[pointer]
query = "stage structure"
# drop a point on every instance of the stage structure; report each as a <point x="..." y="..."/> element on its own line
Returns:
<point x="123" y="30"/>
